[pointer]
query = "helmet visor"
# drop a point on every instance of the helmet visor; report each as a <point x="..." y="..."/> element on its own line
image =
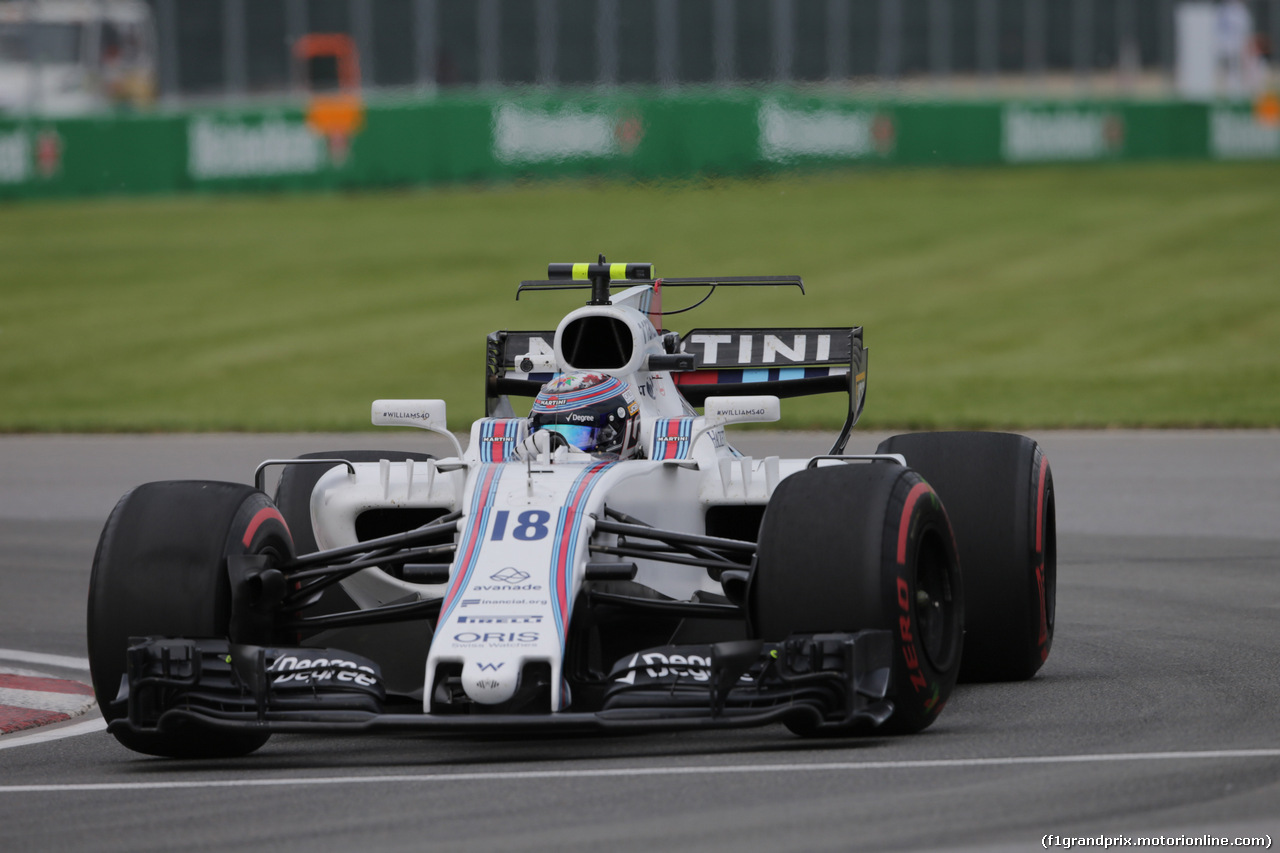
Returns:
<point x="581" y="437"/>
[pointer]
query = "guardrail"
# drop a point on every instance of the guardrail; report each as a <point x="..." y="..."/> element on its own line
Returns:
<point x="626" y="136"/>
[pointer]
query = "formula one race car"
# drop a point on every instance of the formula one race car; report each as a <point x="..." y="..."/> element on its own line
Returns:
<point x="606" y="562"/>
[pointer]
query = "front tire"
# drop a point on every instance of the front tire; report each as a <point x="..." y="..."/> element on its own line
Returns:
<point x="867" y="546"/>
<point x="999" y="493"/>
<point x="161" y="570"/>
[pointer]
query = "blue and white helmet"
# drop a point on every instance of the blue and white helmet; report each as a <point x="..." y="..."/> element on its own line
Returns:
<point x="595" y="413"/>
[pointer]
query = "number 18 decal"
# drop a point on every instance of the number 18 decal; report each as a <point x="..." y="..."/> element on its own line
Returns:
<point x="531" y="525"/>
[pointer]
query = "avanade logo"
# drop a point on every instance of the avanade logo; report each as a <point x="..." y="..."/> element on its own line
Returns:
<point x="508" y="580"/>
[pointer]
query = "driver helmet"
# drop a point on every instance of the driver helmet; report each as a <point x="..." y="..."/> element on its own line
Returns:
<point x="594" y="412"/>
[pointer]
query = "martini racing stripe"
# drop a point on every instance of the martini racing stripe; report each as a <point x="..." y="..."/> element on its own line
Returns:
<point x="772" y="374"/>
<point x="671" y="438"/>
<point x="469" y="547"/>
<point x="498" y="437"/>
<point x="568" y="528"/>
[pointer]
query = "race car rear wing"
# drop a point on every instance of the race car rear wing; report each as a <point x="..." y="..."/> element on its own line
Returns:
<point x="783" y="362"/>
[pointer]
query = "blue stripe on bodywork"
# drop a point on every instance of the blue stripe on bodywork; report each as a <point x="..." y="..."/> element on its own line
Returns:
<point x="566" y="545"/>
<point x="469" y="547"/>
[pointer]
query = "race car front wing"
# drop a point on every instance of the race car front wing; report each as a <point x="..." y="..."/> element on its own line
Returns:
<point x="816" y="681"/>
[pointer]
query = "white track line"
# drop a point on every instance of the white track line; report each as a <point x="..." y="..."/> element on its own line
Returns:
<point x="45" y="735"/>
<point x="746" y="769"/>
<point x="61" y="661"/>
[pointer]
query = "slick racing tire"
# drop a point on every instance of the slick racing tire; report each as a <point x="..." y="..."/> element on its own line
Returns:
<point x="998" y="489"/>
<point x="161" y="570"/>
<point x="850" y="547"/>
<point x="293" y="492"/>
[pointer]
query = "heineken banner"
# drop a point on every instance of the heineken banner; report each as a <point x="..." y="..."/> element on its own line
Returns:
<point x="672" y="136"/>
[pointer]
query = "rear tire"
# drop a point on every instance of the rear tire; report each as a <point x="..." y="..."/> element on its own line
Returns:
<point x="998" y="489"/>
<point x="867" y="546"/>
<point x="160" y="570"/>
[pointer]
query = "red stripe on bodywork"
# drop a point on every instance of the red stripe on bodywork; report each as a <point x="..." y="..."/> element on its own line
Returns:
<point x="44" y="685"/>
<point x="499" y="448"/>
<point x="262" y="515"/>
<point x="696" y="377"/>
<point x="655" y="305"/>
<point x="469" y="548"/>
<point x="562" y="551"/>
<point x="671" y="449"/>
<point x="913" y="496"/>
<point x="563" y="554"/>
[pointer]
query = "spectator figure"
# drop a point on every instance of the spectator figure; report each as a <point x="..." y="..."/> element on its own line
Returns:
<point x="1236" y="51"/>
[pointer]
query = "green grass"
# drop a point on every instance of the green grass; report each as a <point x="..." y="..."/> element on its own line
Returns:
<point x="1029" y="297"/>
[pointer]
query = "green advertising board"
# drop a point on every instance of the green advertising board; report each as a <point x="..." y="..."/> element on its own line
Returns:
<point x="472" y="138"/>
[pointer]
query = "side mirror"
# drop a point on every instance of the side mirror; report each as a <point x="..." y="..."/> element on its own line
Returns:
<point x="423" y="414"/>
<point x="719" y="411"/>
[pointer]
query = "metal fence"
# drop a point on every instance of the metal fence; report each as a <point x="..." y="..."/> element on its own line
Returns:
<point x="240" y="48"/>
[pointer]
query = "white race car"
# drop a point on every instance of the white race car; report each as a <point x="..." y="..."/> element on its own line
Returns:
<point x="608" y="561"/>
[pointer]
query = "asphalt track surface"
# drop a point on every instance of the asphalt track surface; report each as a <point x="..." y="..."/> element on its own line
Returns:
<point x="1156" y="714"/>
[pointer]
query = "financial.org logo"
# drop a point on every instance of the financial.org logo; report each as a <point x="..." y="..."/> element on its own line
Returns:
<point x="510" y="575"/>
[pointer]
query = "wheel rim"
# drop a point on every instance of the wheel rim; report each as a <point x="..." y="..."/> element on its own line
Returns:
<point x="934" y="603"/>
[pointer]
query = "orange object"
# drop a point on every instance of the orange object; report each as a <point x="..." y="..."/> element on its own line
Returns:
<point x="341" y="47"/>
<point x="1267" y="109"/>
<point x="337" y="115"/>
